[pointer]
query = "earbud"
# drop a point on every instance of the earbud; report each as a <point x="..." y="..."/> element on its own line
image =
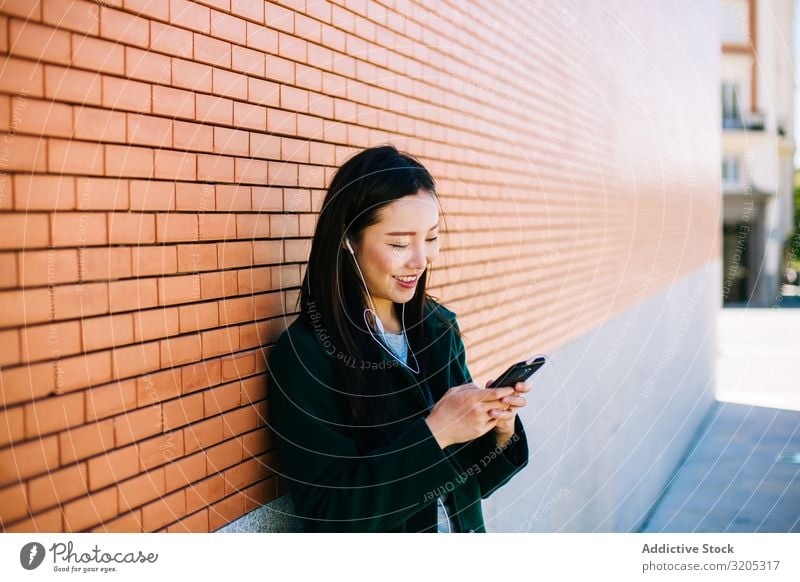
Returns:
<point x="347" y="242"/>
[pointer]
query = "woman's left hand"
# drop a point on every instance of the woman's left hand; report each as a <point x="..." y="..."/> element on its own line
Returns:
<point x="504" y="428"/>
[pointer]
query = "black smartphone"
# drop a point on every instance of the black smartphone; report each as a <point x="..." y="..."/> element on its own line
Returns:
<point x="519" y="372"/>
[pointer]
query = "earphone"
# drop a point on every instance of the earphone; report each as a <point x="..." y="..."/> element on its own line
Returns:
<point x="377" y="319"/>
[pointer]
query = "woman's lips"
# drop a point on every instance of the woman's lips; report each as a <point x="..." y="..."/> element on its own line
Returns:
<point x="409" y="284"/>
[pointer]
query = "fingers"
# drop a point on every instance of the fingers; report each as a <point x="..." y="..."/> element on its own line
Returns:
<point x="498" y="414"/>
<point x="516" y="401"/>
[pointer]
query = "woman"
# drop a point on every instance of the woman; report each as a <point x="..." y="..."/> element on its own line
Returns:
<point x="379" y="426"/>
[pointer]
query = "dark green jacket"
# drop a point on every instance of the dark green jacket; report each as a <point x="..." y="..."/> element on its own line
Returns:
<point x="337" y="483"/>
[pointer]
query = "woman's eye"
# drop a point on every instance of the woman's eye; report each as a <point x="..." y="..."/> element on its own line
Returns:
<point x="406" y="246"/>
<point x="433" y="239"/>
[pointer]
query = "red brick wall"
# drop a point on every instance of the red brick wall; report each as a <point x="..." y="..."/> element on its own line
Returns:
<point x="162" y="163"/>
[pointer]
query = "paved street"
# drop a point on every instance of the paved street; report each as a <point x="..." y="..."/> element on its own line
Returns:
<point x="742" y="474"/>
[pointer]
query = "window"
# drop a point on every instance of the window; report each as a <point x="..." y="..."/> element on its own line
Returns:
<point x="731" y="115"/>
<point x="731" y="171"/>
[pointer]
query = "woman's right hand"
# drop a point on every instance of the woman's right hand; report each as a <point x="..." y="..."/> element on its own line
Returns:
<point x="462" y="414"/>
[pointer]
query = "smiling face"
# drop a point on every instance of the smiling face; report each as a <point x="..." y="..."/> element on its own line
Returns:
<point x="404" y="242"/>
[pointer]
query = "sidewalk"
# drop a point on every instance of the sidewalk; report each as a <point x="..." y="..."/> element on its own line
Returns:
<point x="742" y="473"/>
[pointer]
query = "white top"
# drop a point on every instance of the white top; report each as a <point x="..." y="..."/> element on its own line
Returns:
<point x="397" y="344"/>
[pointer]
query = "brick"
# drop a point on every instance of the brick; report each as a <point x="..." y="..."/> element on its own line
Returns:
<point x="219" y="284"/>
<point x="212" y="51"/>
<point x="215" y="168"/>
<point x="74" y="157"/>
<point x="175" y="290"/>
<point x="25" y="383"/>
<point x="137" y="424"/>
<point x="49" y="267"/>
<point x="21" y="76"/>
<point x="12" y="425"/>
<point x="156" y="323"/>
<point x="250" y="116"/>
<point x="222" y="398"/>
<point x="233" y="142"/>
<point x="211" y="109"/>
<point x="180" y="350"/>
<point x="47" y="522"/>
<point x="242" y="475"/>
<point x="198" y="316"/>
<point x="254" y="389"/>
<point x="238" y="366"/>
<point x="170" y="165"/>
<point x="102" y="193"/>
<point x="267" y="251"/>
<point x="195" y="258"/>
<point x="141" y="489"/>
<point x="13" y="504"/>
<point x="106" y="332"/>
<point x="204" y="493"/>
<point x="156" y="451"/>
<point x="182" y="411"/>
<point x="217" y="227"/>
<point x="194" y="137"/>
<point x="41" y="43"/>
<point x="203" y="434"/>
<point x="58" y="487"/>
<point x="126" y="95"/>
<point x="253" y="280"/>
<point x="10" y="341"/>
<point x="88" y="511"/>
<point x="153" y="8"/>
<point x="229" y="84"/>
<point x="127" y="523"/>
<point x="53" y="414"/>
<point x="157" y="387"/>
<point x="195" y="197"/>
<point x="220" y="341"/>
<point x="98" y="55"/>
<point x="263" y="92"/>
<point x="257" y="441"/>
<point x="201" y="375"/>
<point x="72" y="85"/>
<point x="189" y="15"/>
<point x="113" y="467"/>
<point x="233" y="197"/>
<point x="70" y="229"/>
<point x="252" y="226"/>
<point x="124" y="28"/>
<point x="172" y="102"/>
<point x="105" y="263"/>
<point x="158" y="260"/>
<point x="109" y="400"/>
<point x="224" y="455"/>
<point x="195" y="523"/>
<point x="152" y="195"/>
<point x="176" y="227"/>
<point x="248" y="61"/>
<point x="132" y="294"/>
<point x="78" y="15"/>
<point x="226" y="511"/>
<point x="185" y="471"/>
<point x="234" y="254"/>
<point x="131" y="228"/>
<point x="28" y="459"/>
<point x="135" y="360"/>
<point x="171" y="40"/>
<point x="148" y="130"/>
<point x="52" y="340"/>
<point x="147" y="66"/>
<point x="85" y="441"/>
<point x="190" y="75"/>
<point x="238" y="310"/>
<point x="43" y="118"/>
<point x="129" y="161"/>
<point x="239" y="421"/>
<point x="24" y="231"/>
<point x="165" y="510"/>
<point x="250" y="171"/>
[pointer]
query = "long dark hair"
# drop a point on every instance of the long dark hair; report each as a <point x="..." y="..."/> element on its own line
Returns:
<point x="332" y="292"/>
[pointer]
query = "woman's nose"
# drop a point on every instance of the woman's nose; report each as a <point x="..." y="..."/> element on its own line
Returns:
<point x="418" y="258"/>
